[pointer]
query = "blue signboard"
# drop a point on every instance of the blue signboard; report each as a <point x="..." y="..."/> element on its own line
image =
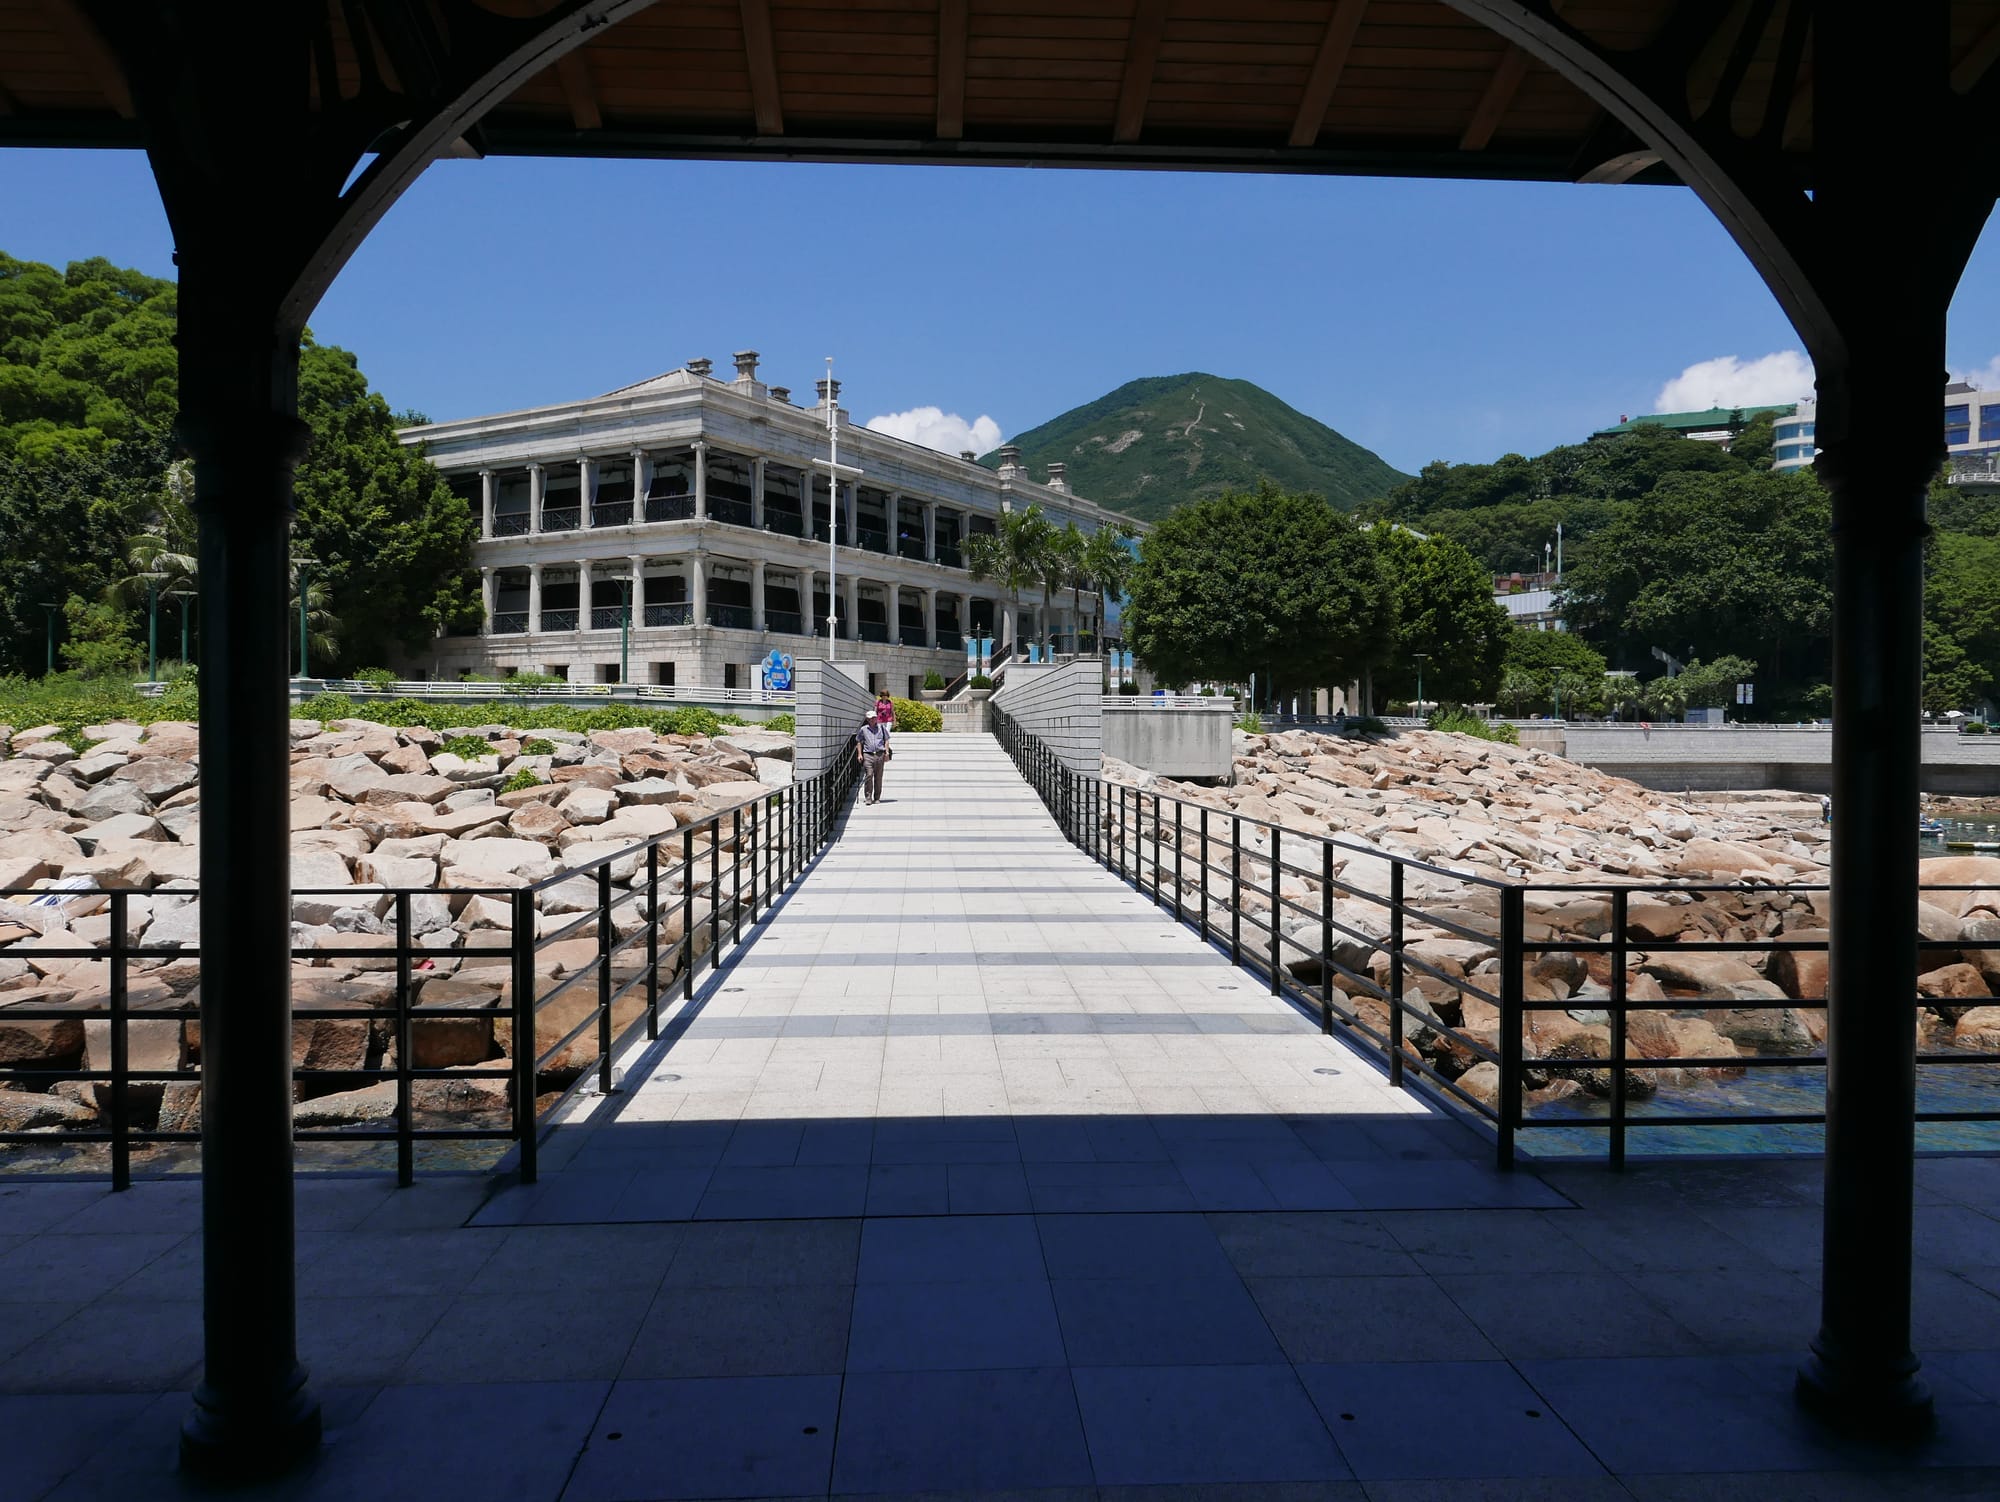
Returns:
<point x="778" y="671"/>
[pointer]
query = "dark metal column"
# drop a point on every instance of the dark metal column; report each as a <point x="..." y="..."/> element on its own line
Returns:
<point x="1862" y="1371"/>
<point x="253" y="1413"/>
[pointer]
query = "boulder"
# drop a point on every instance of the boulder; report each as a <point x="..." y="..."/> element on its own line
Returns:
<point x="605" y="778"/>
<point x="716" y="796"/>
<point x="52" y="753"/>
<point x="588" y="805"/>
<point x="312" y="868"/>
<point x="160" y="777"/>
<point x="502" y="857"/>
<point x="1977" y="1031"/>
<point x="408" y="787"/>
<point x="753" y="743"/>
<point x="623" y="740"/>
<point x="649" y="790"/>
<point x="1714" y="975"/>
<point x="1801" y="973"/>
<point x="21" y="1111"/>
<point x="1953" y="983"/>
<point x="537" y="821"/>
<point x="38" y="1044"/>
<point x="773" y="772"/>
<point x="1763" y="1030"/>
<point x="176" y="924"/>
<point x="97" y="765"/>
<point x="371" y="1106"/>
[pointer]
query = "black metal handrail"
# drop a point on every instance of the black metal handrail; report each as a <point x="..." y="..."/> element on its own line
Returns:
<point x="611" y="514"/>
<point x="769" y="842"/>
<point x="561" y="518"/>
<point x="730" y="512"/>
<point x="607" y="617"/>
<point x="669" y="508"/>
<point x="511" y="524"/>
<point x="1143" y="837"/>
<point x="507" y="623"/>
<point x="786" y="622"/>
<point x="732" y="617"/>
<point x="560" y="620"/>
<point x="674" y="613"/>
<point x="910" y="636"/>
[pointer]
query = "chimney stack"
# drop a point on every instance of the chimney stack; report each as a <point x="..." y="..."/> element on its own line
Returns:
<point x="827" y="397"/>
<point x="967" y="454"/>
<point x="746" y="364"/>
<point x="782" y="394"/>
<point x="1056" y="477"/>
<point x="700" y="367"/>
<point x="1011" y="467"/>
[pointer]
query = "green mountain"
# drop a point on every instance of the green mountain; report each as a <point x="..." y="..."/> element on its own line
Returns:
<point x="1156" y="442"/>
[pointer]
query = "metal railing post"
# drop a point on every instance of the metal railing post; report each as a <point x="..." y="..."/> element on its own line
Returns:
<point x="735" y="875"/>
<point x="714" y="891"/>
<point x="522" y="930"/>
<point x="1512" y="992"/>
<point x="652" y="940"/>
<point x="687" y="913"/>
<point x="1396" y="973"/>
<point x="1618" y="1028"/>
<point x="121" y="1048"/>
<point x="1156" y="849"/>
<point x="406" y="1141"/>
<point x="604" y="978"/>
<point x="1178" y="857"/>
<point x="1235" y="889"/>
<point x="1277" y="915"/>
<point x="1202" y="867"/>
<point x="1326" y="936"/>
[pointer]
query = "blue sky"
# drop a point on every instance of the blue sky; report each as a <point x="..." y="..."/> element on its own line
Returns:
<point x="1423" y="319"/>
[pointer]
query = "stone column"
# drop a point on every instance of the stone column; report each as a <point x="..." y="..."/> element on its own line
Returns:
<point x="488" y="486"/>
<point x="697" y="590"/>
<point x="895" y="615"/>
<point x="534" y="598"/>
<point x="1006" y="632"/>
<point x="700" y="481"/>
<point x="586" y="490"/>
<point x="930" y="531"/>
<point x="583" y="594"/>
<point x="850" y="612"/>
<point x="757" y="591"/>
<point x="639" y="485"/>
<point x="638" y="617"/>
<point x="486" y="599"/>
<point x="851" y="502"/>
<point x="757" y="493"/>
<point x="537" y="483"/>
<point x="930" y="618"/>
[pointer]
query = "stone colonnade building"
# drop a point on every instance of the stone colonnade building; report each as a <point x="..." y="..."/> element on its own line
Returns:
<point x="696" y="503"/>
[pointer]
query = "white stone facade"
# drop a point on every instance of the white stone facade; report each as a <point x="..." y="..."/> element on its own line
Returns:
<point x="703" y="503"/>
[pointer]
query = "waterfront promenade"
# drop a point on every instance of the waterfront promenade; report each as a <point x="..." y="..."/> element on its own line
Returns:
<point x="972" y="1175"/>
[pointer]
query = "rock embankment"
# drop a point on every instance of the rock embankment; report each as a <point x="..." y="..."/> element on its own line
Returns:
<point x="461" y="816"/>
<point x="1489" y="814"/>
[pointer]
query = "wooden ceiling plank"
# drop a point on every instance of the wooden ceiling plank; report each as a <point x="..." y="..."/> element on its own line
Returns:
<point x="578" y="92"/>
<point x="954" y="37"/>
<point x="1149" y="25"/>
<point x="90" y="52"/>
<point x="760" y="51"/>
<point x="1507" y="76"/>
<point x="1334" y="46"/>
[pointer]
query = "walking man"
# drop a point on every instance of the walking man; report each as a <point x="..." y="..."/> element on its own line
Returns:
<point x="871" y="746"/>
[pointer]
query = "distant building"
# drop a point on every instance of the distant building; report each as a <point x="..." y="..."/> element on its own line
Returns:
<point x="1971" y="436"/>
<point x="1533" y="600"/>
<point x="1711" y="425"/>
<point x="694" y="512"/>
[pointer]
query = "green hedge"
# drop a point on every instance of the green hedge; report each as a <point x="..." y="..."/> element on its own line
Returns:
<point x="918" y="718"/>
<point x="689" y="719"/>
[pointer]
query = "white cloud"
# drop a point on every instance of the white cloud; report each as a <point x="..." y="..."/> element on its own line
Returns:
<point x="938" y="429"/>
<point x="1786" y="376"/>
<point x="1986" y="377"/>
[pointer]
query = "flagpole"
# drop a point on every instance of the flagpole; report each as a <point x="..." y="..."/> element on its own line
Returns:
<point x="832" y="516"/>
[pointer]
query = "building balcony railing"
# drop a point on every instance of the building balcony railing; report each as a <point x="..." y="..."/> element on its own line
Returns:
<point x="786" y="622"/>
<point x="949" y="556"/>
<point x="910" y="547"/>
<point x="507" y="623"/>
<point x="677" y="613"/>
<point x="559" y="620"/>
<point x="606" y="617"/>
<point x="952" y="639"/>
<point x="784" y="523"/>
<point x="731" y="513"/>
<point x="911" y="636"/>
<point x="873" y="540"/>
<point x="561" y="518"/>
<point x="732" y="617"/>
<point x="669" y="508"/>
<point x="875" y="631"/>
<point x="511" y="524"/>
<point x="611" y="514"/>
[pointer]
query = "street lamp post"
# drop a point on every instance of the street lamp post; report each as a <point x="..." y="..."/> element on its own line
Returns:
<point x="303" y="566"/>
<point x="153" y="577"/>
<point x="625" y="632"/>
<point x="51" y="607"/>
<point x="1421" y="658"/>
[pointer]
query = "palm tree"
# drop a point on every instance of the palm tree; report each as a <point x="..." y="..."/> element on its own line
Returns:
<point x="1068" y="548"/>
<point x="322" y="625"/>
<point x="1109" y="564"/>
<point x="1010" y="555"/>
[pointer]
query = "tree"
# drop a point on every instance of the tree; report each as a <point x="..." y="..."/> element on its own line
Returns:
<point x="1542" y="669"/>
<point x="100" y="643"/>
<point x="1445" y="610"/>
<point x="1961" y="621"/>
<point x="1699" y="685"/>
<point x="1010" y="555"/>
<point x="1273" y="584"/>
<point x="1108" y="561"/>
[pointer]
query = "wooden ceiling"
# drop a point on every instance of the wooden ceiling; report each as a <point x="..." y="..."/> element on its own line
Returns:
<point x="1409" y="87"/>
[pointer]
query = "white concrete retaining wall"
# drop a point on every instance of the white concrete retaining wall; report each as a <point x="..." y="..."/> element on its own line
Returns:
<point x="1673" y="758"/>
<point x="1061" y="705"/>
<point x="833" y="701"/>
<point x="1186" y="742"/>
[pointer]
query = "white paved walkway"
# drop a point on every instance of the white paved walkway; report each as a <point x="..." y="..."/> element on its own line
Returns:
<point x="959" y="1012"/>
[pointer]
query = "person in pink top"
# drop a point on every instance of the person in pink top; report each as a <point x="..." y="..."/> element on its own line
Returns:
<point x="885" y="711"/>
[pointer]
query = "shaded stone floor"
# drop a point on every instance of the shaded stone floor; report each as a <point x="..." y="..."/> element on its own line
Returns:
<point x="971" y="1176"/>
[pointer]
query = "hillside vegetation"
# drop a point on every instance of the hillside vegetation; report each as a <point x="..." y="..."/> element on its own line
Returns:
<point x="1159" y="442"/>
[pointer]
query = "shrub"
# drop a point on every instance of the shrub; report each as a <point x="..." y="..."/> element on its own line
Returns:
<point x="378" y="679"/>
<point x="1464" y="722"/>
<point x="1250" y="722"/>
<point x="466" y="747"/>
<point x="523" y="778"/>
<point x="789" y="724"/>
<point x="182" y="699"/>
<point x="1366" y="724"/>
<point x="919" y="718"/>
<point x="534" y="680"/>
<point x="1973" y="727"/>
<point x="538" y="747"/>
<point x="1206" y="692"/>
<point x="979" y="680"/>
<point x="1128" y="688"/>
<point x="325" y="707"/>
<point x="933" y="680"/>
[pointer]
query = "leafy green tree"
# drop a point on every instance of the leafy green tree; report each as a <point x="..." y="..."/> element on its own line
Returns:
<point x="1961" y="621"/>
<point x="1273" y="584"/>
<point x="1445" y="610"/>
<point x="1012" y="554"/>
<point x="100" y="643"/>
<point x="1543" y="669"/>
<point x="1108" y="563"/>
<point x="1699" y="685"/>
